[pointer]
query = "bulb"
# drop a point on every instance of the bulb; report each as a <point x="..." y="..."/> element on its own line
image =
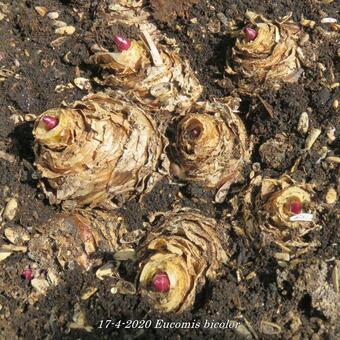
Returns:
<point x="250" y="33"/>
<point x="50" y="122"/>
<point x="161" y="283"/>
<point x="123" y="44"/>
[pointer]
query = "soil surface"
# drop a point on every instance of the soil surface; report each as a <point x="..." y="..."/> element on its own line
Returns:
<point x="39" y="75"/>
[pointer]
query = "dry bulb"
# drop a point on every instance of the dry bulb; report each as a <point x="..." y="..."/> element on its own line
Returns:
<point x="281" y="210"/>
<point x="156" y="77"/>
<point x="181" y="252"/>
<point x="73" y="238"/>
<point x="99" y="148"/>
<point x="210" y="146"/>
<point x="266" y="52"/>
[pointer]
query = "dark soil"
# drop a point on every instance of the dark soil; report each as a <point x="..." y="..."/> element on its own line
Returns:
<point x="272" y="295"/>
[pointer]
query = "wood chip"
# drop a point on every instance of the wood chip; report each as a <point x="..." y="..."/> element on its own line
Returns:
<point x="13" y="248"/>
<point x="67" y="30"/>
<point x="311" y="138"/>
<point x="282" y="256"/>
<point x="4" y="254"/>
<point x="335" y="277"/>
<point x="156" y="57"/>
<point x="88" y="293"/>
<point x="82" y="83"/>
<point x="42" y="11"/>
<point x="267" y="106"/>
<point x="40" y="285"/>
<point x="331" y="196"/>
<point x="333" y="159"/>
<point x="10" y="210"/>
<point x="106" y="270"/>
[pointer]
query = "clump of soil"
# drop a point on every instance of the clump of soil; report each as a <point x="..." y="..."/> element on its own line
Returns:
<point x="168" y="12"/>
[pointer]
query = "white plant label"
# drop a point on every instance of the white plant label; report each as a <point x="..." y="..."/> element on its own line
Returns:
<point x="304" y="217"/>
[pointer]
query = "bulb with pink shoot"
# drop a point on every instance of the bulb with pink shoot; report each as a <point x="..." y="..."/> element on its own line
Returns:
<point x="50" y="122"/>
<point x="250" y="33"/>
<point x="123" y="44"/>
<point x="161" y="282"/>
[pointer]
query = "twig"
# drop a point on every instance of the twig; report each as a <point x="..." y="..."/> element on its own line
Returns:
<point x="156" y="58"/>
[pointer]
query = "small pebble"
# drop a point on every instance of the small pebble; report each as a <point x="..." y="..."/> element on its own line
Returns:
<point x="303" y="124"/>
<point x="59" y="24"/>
<point x="82" y="83"/>
<point x="53" y="15"/>
<point x="40" y="285"/>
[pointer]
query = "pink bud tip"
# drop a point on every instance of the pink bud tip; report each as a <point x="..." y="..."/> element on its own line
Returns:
<point x="27" y="274"/>
<point x="295" y="207"/>
<point x="123" y="44"/>
<point x="50" y="121"/>
<point x="250" y="33"/>
<point x="161" y="283"/>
